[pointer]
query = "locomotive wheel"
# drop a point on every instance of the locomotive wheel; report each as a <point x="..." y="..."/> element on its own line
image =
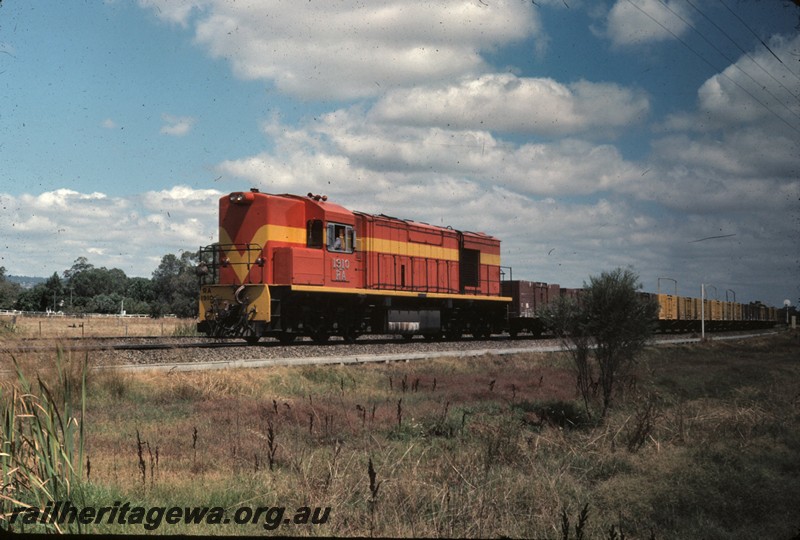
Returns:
<point x="252" y="339"/>
<point x="350" y="335"/>
<point x="320" y="336"/>
<point x="285" y="338"/>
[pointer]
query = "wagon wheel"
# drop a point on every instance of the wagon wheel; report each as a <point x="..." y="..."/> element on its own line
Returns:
<point x="453" y="334"/>
<point x="482" y="333"/>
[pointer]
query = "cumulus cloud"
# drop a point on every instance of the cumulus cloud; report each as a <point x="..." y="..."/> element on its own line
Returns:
<point x="758" y="88"/>
<point x="636" y="22"/>
<point x="351" y="49"/>
<point x="176" y="126"/>
<point x="507" y="103"/>
<point x="344" y="152"/>
<point x="48" y="231"/>
<point x="738" y="151"/>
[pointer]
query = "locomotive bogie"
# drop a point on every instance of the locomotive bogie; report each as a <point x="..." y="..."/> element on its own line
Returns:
<point x="234" y="311"/>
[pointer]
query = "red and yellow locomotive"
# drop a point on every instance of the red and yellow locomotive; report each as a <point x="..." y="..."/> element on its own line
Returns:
<point x="288" y="265"/>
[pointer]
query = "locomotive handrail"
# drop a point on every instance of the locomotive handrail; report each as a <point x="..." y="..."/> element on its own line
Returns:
<point x="218" y="250"/>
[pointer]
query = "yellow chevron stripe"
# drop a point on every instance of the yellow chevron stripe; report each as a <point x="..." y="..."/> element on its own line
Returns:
<point x="268" y="232"/>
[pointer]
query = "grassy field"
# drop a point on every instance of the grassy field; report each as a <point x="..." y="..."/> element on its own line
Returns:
<point x="75" y="327"/>
<point x="703" y="442"/>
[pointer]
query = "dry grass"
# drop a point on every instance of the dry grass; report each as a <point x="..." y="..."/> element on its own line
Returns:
<point x="75" y="327"/>
<point x="706" y="439"/>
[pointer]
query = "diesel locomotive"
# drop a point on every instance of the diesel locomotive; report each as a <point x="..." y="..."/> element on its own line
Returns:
<point x="289" y="265"/>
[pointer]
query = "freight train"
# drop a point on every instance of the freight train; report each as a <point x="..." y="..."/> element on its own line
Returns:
<point x="290" y="265"/>
<point x="675" y="313"/>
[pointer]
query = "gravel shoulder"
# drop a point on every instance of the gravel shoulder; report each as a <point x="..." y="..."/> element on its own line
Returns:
<point x="366" y="350"/>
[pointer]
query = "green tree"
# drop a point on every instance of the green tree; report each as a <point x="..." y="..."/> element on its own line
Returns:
<point x="611" y="323"/>
<point x="33" y="299"/>
<point x="44" y="296"/>
<point x="140" y="289"/>
<point x="94" y="281"/>
<point x="139" y="295"/>
<point x="85" y="283"/>
<point x="105" y="303"/>
<point x="54" y="298"/>
<point x="81" y="264"/>
<point x="9" y="292"/>
<point x="175" y="286"/>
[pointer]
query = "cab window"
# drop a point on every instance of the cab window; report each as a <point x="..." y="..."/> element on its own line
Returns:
<point x="341" y="238"/>
<point x="314" y="233"/>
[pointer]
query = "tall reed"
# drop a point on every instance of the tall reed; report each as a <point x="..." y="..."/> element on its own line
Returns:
<point x="41" y="447"/>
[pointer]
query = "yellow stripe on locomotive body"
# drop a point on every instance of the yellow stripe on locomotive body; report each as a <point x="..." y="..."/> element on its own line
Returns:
<point x="409" y="249"/>
<point x="490" y="259"/>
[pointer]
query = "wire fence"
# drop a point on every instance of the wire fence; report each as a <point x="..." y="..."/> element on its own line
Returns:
<point x="48" y="314"/>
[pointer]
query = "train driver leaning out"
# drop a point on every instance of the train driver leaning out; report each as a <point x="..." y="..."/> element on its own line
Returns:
<point x="338" y="243"/>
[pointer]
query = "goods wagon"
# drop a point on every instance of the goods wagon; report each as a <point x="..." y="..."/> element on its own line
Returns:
<point x="684" y="314"/>
<point x="675" y="313"/>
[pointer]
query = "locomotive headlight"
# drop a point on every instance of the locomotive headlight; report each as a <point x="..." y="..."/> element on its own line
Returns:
<point x="242" y="198"/>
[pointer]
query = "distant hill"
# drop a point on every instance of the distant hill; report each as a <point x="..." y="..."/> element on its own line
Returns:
<point x="27" y="282"/>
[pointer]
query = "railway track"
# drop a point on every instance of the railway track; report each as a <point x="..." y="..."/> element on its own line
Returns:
<point x="190" y="355"/>
<point x="33" y="345"/>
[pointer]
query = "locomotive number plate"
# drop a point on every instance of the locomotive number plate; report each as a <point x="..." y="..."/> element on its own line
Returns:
<point x="340" y="269"/>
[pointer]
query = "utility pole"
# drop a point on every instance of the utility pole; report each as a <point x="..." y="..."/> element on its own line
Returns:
<point x="702" y="312"/>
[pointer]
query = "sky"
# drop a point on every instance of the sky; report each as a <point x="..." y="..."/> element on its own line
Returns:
<point x="658" y="135"/>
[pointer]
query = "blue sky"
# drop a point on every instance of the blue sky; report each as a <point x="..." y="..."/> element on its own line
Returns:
<point x="585" y="135"/>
